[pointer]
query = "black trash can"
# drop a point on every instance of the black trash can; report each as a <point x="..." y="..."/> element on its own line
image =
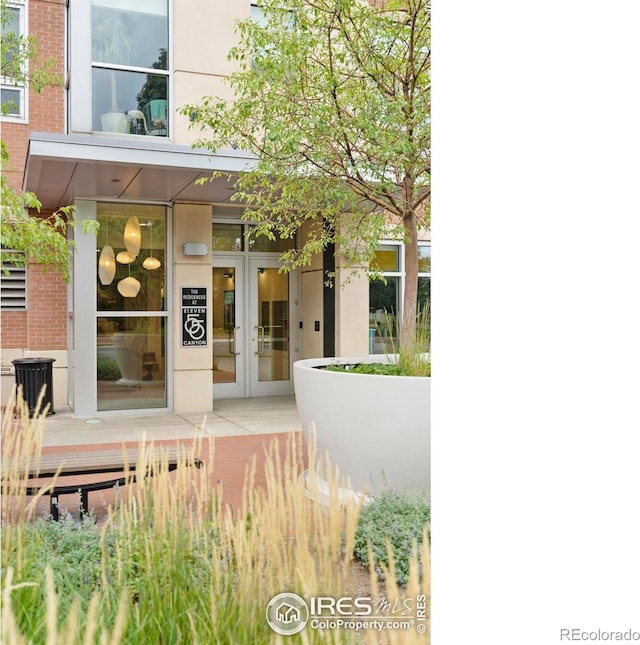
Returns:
<point x="32" y="374"/>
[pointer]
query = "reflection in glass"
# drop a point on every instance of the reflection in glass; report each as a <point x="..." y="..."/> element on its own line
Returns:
<point x="424" y="292"/>
<point x="227" y="237"/>
<point x="130" y="34"/>
<point x="131" y="368"/>
<point x="11" y="101"/>
<point x="273" y="325"/>
<point x="122" y="103"/>
<point x="131" y="348"/>
<point x="224" y="323"/>
<point x="424" y="258"/>
<point x="386" y="258"/>
<point x="113" y="219"/>
<point x="383" y="305"/>
<point x="262" y="244"/>
<point x="134" y="35"/>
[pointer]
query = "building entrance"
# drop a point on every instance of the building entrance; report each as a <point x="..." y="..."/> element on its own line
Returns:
<point x="255" y="323"/>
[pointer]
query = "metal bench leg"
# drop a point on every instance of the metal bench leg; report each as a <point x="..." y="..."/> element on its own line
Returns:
<point x="84" y="502"/>
<point x="53" y="506"/>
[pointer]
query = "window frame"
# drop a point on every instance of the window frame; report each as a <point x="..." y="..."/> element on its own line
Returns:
<point x="8" y="83"/>
<point x="400" y="274"/>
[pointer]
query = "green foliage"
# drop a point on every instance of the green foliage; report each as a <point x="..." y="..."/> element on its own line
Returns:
<point x="334" y="101"/>
<point x="397" y="517"/>
<point x="17" y="51"/>
<point x="170" y="564"/>
<point x="166" y="577"/>
<point x="42" y="240"/>
<point x="381" y="369"/>
<point x="107" y="369"/>
<point x="72" y="549"/>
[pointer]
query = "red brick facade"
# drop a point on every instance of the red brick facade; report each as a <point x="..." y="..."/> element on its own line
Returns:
<point x="44" y="325"/>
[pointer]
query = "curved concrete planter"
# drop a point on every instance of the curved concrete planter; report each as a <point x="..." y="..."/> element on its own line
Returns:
<point x="376" y="429"/>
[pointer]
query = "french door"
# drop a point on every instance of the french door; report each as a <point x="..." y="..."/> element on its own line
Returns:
<point x="254" y="327"/>
<point x="228" y="333"/>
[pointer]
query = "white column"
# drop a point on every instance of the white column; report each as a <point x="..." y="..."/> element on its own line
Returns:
<point x="83" y="351"/>
<point x="80" y="67"/>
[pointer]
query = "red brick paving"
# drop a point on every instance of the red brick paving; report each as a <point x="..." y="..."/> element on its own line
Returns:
<point x="233" y="455"/>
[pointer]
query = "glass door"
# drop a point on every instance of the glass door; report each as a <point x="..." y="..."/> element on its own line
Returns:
<point x="228" y="332"/>
<point x="270" y="316"/>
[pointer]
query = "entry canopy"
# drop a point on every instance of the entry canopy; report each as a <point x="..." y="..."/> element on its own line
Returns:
<point x="61" y="168"/>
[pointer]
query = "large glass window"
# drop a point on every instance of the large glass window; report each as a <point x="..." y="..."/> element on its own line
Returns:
<point x="130" y="67"/>
<point x="385" y="296"/>
<point x="13" y="95"/>
<point x="132" y="313"/>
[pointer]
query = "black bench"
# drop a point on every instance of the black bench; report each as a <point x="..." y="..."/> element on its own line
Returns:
<point x="95" y="462"/>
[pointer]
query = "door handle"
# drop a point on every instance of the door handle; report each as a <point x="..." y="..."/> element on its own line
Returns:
<point x="232" y="342"/>
<point x="260" y="329"/>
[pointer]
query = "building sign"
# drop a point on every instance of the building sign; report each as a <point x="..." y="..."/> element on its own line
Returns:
<point x="194" y="316"/>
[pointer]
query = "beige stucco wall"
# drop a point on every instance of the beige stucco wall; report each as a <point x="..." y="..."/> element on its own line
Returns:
<point x="311" y="298"/>
<point x="205" y="31"/>
<point x="189" y="89"/>
<point x="192" y="386"/>
<point x="200" y="62"/>
<point x="352" y="314"/>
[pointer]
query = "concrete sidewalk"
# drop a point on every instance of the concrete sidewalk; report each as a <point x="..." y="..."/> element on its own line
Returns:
<point x="230" y="417"/>
<point x="243" y="429"/>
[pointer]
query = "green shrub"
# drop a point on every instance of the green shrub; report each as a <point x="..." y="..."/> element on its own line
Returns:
<point x="400" y="517"/>
<point x="108" y="369"/>
<point x="72" y="549"/>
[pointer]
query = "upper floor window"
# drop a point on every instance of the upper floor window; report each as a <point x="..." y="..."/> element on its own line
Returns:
<point x="13" y="89"/>
<point x="130" y="66"/>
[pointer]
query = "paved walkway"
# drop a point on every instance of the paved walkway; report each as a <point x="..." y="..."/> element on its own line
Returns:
<point x="230" y="417"/>
<point x="243" y="430"/>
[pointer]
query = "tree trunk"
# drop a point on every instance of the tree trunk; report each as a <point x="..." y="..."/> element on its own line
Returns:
<point x="410" y="302"/>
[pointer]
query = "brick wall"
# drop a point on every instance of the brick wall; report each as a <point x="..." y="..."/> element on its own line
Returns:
<point x="46" y="23"/>
<point x="44" y="325"/>
<point x="14" y="329"/>
<point x="46" y="309"/>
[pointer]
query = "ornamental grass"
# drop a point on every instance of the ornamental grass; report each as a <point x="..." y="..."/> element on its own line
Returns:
<point x="171" y="563"/>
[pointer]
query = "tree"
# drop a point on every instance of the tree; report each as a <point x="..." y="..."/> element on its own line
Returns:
<point x="333" y="98"/>
<point x="42" y="240"/>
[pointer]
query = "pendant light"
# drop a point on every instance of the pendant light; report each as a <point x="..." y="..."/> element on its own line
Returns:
<point x="151" y="263"/>
<point x="129" y="287"/>
<point x="124" y="257"/>
<point x="107" y="263"/>
<point x="132" y="235"/>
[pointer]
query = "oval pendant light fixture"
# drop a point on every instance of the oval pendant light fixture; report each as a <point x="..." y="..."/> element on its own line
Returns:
<point x="106" y="265"/>
<point x="132" y="235"/>
<point x="151" y="263"/>
<point x="129" y="287"/>
<point x="124" y="257"/>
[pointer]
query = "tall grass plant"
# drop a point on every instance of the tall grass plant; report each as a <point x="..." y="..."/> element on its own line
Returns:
<point x="171" y="563"/>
